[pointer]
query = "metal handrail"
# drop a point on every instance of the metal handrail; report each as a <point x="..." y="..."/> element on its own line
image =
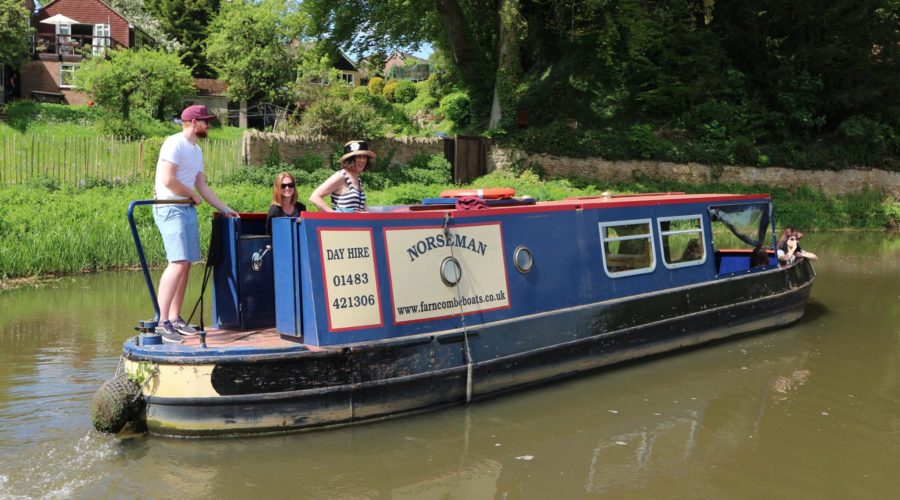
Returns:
<point x="140" y="248"/>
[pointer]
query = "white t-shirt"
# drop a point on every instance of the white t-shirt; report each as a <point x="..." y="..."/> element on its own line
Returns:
<point x="187" y="157"/>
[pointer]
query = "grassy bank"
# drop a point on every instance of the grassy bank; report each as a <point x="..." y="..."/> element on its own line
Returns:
<point x="47" y="230"/>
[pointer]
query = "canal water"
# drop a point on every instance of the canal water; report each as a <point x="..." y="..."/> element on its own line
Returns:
<point x="810" y="411"/>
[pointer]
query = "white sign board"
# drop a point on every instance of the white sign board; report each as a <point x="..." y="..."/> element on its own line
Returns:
<point x="351" y="281"/>
<point x="415" y="256"/>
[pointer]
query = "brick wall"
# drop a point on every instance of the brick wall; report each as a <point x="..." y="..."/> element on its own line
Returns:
<point x="44" y="76"/>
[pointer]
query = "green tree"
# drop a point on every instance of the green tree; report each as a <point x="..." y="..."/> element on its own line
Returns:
<point x="816" y="63"/>
<point x="14" y="32"/>
<point x="249" y="46"/>
<point x="151" y="80"/>
<point x="469" y="31"/>
<point x="188" y="22"/>
<point x="136" y="11"/>
<point x="316" y="75"/>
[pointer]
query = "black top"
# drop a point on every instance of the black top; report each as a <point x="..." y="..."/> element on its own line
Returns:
<point x="276" y="211"/>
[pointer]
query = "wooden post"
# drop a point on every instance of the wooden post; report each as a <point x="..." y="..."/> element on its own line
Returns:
<point x="242" y="114"/>
<point x="31" y="167"/>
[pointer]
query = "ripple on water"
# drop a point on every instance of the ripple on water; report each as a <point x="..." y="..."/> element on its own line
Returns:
<point x="57" y="468"/>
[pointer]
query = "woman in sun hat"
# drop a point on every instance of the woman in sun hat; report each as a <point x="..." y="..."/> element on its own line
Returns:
<point x="345" y="186"/>
<point x="789" y="247"/>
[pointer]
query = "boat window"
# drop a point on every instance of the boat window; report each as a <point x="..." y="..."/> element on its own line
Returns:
<point x="681" y="241"/>
<point x="627" y="247"/>
<point x="733" y="225"/>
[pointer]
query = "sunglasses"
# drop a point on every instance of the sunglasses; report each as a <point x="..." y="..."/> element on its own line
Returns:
<point x="287" y="185"/>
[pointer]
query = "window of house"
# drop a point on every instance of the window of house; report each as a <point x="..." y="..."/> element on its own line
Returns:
<point x="101" y="38"/>
<point x="681" y="241"/>
<point x="67" y="75"/>
<point x="347" y="78"/>
<point x="627" y="247"/>
<point x="63" y="40"/>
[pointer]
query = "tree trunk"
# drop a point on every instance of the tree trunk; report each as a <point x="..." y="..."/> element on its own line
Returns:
<point x="460" y="47"/>
<point x="509" y="65"/>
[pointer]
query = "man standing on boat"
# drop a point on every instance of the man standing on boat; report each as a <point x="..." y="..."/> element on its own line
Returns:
<point x="180" y="178"/>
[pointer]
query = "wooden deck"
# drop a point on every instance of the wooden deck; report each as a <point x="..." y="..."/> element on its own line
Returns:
<point x="219" y="338"/>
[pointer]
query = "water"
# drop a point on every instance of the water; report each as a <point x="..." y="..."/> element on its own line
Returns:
<point x="811" y="411"/>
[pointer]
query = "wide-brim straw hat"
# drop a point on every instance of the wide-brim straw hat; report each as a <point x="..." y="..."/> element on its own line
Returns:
<point x="356" y="148"/>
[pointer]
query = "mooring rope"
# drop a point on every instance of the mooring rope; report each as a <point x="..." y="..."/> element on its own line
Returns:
<point x="470" y="367"/>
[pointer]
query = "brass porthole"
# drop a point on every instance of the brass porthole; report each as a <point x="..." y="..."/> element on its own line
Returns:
<point x="451" y="271"/>
<point x="523" y="259"/>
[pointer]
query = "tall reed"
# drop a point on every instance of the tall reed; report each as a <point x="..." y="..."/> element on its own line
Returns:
<point x="46" y="228"/>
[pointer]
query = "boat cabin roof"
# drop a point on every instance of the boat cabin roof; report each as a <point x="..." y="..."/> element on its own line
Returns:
<point x="519" y="205"/>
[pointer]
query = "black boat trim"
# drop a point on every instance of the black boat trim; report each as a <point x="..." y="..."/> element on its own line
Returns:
<point x="289" y="395"/>
<point x="461" y="369"/>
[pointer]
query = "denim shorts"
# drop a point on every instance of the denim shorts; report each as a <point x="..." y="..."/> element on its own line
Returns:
<point x="180" y="234"/>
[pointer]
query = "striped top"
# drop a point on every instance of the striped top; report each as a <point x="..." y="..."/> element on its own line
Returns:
<point x="353" y="200"/>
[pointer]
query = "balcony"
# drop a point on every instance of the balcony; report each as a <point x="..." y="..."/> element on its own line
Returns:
<point x="69" y="47"/>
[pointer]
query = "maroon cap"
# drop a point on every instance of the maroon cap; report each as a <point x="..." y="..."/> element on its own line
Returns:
<point x="196" y="112"/>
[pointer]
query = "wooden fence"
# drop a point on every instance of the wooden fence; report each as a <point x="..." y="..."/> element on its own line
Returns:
<point x="80" y="160"/>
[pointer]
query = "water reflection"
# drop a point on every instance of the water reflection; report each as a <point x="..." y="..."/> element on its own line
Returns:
<point x="810" y="410"/>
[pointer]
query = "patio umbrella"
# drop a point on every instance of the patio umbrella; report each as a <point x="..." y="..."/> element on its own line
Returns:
<point x="58" y="19"/>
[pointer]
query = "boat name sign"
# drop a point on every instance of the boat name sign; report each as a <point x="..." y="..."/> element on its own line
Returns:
<point x="416" y="255"/>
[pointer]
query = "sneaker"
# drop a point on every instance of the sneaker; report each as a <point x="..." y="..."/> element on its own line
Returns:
<point x="182" y="327"/>
<point x="168" y="333"/>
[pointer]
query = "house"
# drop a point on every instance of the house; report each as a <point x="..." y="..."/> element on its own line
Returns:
<point x="349" y="71"/>
<point x="213" y="94"/>
<point x="66" y="32"/>
<point x="9" y="77"/>
<point x="404" y="66"/>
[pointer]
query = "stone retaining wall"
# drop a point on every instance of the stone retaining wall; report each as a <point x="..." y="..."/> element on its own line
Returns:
<point x="400" y="150"/>
<point x="828" y="181"/>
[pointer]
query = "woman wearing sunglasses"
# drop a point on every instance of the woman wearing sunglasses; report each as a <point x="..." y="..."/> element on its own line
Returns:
<point x="284" y="199"/>
<point x="789" y="247"/>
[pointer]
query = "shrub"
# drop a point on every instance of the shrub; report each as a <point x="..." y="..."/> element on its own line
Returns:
<point x="360" y="94"/>
<point x="116" y="126"/>
<point x="337" y="118"/>
<point x="404" y="92"/>
<point x="644" y="143"/>
<point x="866" y="141"/>
<point x="376" y="86"/>
<point x="439" y="84"/>
<point x="428" y="102"/>
<point x="339" y="90"/>
<point x="389" y="89"/>
<point x="456" y="108"/>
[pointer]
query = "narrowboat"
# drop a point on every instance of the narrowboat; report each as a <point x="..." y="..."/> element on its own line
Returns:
<point x="339" y="319"/>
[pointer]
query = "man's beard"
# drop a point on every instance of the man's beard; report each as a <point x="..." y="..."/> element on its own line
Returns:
<point x="201" y="133"/>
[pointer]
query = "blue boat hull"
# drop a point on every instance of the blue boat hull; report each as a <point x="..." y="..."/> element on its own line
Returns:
<point x="355" y="383"/>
